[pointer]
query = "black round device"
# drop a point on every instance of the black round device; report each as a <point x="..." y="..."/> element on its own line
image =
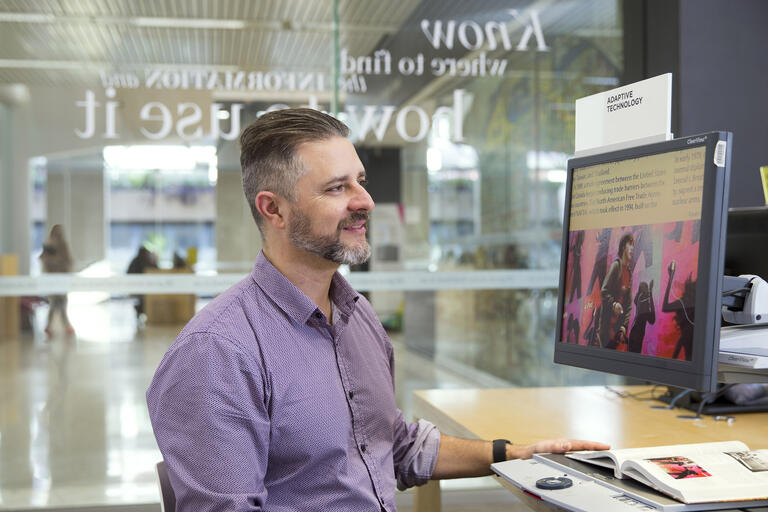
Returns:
<point x="553" y="483"/>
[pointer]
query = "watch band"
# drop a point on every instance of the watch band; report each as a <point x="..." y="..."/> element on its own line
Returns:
<point x="500" y="450"/>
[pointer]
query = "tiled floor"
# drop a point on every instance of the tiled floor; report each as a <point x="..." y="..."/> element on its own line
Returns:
<point x="74" y="429"/>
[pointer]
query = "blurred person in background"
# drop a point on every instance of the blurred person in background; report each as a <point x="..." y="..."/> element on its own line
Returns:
<point x="143" y="260"/>
<point x="56" y="257"/>
<point x="178" y="261"/>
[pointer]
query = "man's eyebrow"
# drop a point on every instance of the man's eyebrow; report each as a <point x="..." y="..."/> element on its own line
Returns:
<point x="343" y="178"/>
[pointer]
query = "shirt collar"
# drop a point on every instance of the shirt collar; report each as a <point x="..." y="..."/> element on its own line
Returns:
<point x="293" y="301"/>
<point x="343" y="295"/>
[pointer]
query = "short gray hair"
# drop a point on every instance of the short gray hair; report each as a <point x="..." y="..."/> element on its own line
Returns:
<point x="268" y="156"/>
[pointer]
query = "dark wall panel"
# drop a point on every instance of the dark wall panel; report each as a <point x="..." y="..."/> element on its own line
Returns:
<point x="716" y="51"/>
<point x="724" y="76"/>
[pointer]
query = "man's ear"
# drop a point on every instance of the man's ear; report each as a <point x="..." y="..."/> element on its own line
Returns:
<point x="270" y="206"/>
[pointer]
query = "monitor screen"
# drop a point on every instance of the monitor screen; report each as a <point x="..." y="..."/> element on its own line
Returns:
<point x="643" y="252"/>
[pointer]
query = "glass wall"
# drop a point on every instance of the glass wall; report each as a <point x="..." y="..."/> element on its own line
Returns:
<point x="119" y="120"/>
<point x="476" y="102"/>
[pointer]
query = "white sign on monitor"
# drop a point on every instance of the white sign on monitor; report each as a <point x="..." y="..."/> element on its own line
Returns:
<point x="631" y="115"/>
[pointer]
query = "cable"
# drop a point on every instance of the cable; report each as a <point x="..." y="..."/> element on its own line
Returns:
<point x="684" y="311"/>
<point x="635" y="396"/>
<point x="678" y="397"/>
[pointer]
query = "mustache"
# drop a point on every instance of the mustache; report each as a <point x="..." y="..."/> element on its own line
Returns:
<point x="354" y="219"/>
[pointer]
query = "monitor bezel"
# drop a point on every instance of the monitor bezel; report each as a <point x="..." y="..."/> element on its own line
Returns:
<point x="700" y="373"/>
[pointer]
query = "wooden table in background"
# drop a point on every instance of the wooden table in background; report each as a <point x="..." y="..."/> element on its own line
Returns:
<point x="10" y="312"/>
<point x="172" y="308"/>
<point x="527" y="415"/>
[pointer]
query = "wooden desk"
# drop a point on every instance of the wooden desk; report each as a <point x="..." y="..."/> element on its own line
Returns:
<point x="527" y="415"/>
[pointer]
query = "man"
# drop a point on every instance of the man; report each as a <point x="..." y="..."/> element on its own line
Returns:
<point x="279" y="394"/>
<point x="616" y="294"/>
<point x="143" y="260"/>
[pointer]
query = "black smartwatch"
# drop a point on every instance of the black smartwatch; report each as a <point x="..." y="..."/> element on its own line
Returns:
<point x="500" y="450"/>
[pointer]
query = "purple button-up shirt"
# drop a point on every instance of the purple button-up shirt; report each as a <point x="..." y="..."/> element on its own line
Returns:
<point x="261" y="404"/>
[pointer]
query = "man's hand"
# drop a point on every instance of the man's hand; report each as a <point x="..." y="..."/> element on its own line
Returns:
<point x="552" y="446"/>
<point x="462" y="458"/>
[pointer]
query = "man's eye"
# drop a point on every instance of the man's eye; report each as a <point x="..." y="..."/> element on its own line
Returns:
<point x="337" y="188"/>
<point x="363" y="183"/>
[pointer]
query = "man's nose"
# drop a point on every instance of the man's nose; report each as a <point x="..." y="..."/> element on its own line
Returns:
<point x="362" y="200"/>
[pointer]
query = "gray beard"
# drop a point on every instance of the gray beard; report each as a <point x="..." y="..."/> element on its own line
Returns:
<point x="329" y="247"/>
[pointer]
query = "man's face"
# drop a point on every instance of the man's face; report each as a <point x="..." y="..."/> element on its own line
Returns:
<point x="329" y="214"/>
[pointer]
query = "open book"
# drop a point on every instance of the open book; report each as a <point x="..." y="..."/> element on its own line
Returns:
<point x="691" y="473"/>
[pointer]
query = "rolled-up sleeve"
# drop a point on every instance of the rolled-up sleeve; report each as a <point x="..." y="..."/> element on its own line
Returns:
<point x="208" y="407"/>
<point x="414" y="451"/>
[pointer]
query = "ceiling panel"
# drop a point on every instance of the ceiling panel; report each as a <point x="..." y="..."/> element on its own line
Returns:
<point x="68" y="41"/>
<point x="50" y="42"/>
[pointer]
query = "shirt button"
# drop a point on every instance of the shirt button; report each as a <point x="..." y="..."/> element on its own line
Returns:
<point x="351" y="395"/>
<point x="362" y="448"/>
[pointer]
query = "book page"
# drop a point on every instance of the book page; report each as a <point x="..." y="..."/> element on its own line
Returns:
<point x="620" y="456"/>
<point x="604" y="459"/>
<point x="707" y="476"/>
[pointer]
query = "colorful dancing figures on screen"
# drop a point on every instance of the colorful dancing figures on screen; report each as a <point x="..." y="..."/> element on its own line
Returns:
<point x="683" y="310"/>
<point x="645" y="313"/>
<point x="643" y="247"/>
<point x="601" y="260"/>
<point x="572" y="325"/>
<point x="576" y="267"/>
<point x="621" y="312"/>
<point x="616" y="294"/>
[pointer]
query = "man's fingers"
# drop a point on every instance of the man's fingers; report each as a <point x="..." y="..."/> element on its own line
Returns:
<point x="589" y="445"/>
<point x="565" y="445"/>
<point x="570" y="445"/>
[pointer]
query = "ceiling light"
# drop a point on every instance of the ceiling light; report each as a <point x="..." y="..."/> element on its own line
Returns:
<point x="189" y="23"/>
<point x="27" y="17"/>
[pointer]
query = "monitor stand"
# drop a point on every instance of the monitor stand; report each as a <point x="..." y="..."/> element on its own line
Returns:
<point x="714" y="403"/>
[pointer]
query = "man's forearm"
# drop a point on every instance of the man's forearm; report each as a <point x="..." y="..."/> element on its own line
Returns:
<point x="462" y="458"/>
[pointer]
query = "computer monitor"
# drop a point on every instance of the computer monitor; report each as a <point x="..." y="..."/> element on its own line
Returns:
<point x="642" y="261"/>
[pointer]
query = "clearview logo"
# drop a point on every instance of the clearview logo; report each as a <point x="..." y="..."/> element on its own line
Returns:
<point x="696" y="140"/>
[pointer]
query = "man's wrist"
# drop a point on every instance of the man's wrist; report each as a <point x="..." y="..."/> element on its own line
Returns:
<point x="501" y="450"/>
